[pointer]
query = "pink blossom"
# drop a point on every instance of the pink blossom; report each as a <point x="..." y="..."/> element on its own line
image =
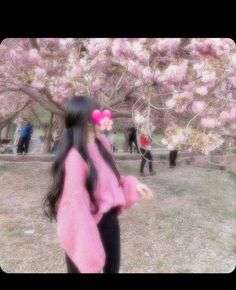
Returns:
<point x="147" y="74"/>
<point x="198" y="67"/>
<point x="2" y="97"/>
<point x="51" y="43"/>
<point x="2" y="70"/>
<point x="231" y="44"/>
<point x="67" y="43"/>
<point x="202" y="91"/>
<point x="175" y="73"/>
<point x="204" y="48"/>
<point x="40" y="72"/>
<point x="183" y="95"/>
<point x="93" y="50"/>
<point x="189" y="87"/>
<point x="76" y="71"/>
<point x="210" y="122"/>
<point x="144" y="56"/>
<point x="170" y="103"/>
<point x="66" y="93"/>
<point x="163" y="59"/>
<point x="157" y="74"/>
<point x="138" y="82"/>
<point x="118" y="47"/>
<point x="103" y="60"/>
<point x="179" y="138"/>
<point x="233" y="59"/>
<point x="208" y="77"/>
<point x="127" y="48"/>
<point x="134" y="68"/>
<point x="229" y="114"/>
<point x="180" y="109"/>
<point x="198" y="106"/>
<point x="37" y="84"/>
<point x="102" y="43"/>
<point x="232" y="81"/>
<point x="137" y="47"/>
<point x="15" y="56"/>
<point x="33" y="56"/>
<point x="142" y="40"/>
<point x="83" y="62"/>
<point x="169" y="44"/>
<point x="96" y="85"/>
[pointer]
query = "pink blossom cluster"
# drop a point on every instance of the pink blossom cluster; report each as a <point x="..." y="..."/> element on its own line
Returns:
<point x="180" y="78"/>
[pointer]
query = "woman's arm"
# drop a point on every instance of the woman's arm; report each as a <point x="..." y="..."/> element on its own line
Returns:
<point x="132" y="188"/>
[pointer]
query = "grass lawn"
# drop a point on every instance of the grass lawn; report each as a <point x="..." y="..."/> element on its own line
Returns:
<point x="188" y="227"/>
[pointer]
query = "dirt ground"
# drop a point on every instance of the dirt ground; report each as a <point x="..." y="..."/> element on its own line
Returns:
<point x="188" y="227"/>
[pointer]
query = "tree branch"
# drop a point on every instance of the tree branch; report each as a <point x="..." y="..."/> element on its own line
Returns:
<point x="37" y="96"/>
<point x="5" y="120"/>
<point x="34" y="44"/>
<point x="122" y="114"/>
<point x="38" y="119"/>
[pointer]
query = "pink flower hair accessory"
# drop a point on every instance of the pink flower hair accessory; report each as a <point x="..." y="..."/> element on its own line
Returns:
<point x="103" y="119"/>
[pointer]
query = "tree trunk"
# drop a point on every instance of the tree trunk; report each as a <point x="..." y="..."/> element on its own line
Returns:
<point x="7" y="130"/>
<point x="48" y="136"/>
<point x="126" y="142"/>
<point x="60" y="124"/>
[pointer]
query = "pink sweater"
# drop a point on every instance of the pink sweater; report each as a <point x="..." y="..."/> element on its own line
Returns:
<point x="76" y="227"/>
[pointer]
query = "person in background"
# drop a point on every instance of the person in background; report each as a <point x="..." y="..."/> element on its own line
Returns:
<point x="145" y="149"/>
<point x="172" y="158"/>
<point x="133" y="139"/>
<point x="113" y="141"/>
<point x="25" y="136"/>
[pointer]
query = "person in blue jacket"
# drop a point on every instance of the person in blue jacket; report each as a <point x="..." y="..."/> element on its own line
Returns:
<point x="25" y="136"/>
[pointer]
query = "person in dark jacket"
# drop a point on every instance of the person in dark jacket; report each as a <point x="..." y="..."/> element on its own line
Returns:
<point x="25" y="136"/>
<point x="133" y="139"/>
<point x="172" y="158"/>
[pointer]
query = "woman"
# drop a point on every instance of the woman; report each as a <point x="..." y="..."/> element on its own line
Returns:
<point x="83" y="202"/>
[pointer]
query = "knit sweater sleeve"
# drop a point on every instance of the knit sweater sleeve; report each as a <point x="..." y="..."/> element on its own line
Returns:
<point x="129" y="186"/>
<point x="76" y="227"/>
<point x="128" y="183"/>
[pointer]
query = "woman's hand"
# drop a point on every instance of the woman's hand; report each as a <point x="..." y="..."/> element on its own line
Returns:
<point x="144" y="191"/>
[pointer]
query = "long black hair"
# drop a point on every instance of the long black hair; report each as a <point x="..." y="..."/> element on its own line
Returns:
<point x="77" y="117"/>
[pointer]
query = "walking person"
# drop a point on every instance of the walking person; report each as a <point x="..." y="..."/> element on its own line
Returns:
<point x="145" y="150"/>
<point x="25" y="136"/>
<point x="87" y="192"/>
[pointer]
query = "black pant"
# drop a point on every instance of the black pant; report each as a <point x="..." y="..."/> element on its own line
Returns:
<point x="173" y="157"/>
<point x="23" y="145"/>
<point x="131" y="141"/>
<point x="146" y="154"/>
<point x="109" y="230"/>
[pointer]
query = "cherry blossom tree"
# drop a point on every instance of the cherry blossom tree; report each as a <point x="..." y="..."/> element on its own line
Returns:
<point x="183" y="87"/>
